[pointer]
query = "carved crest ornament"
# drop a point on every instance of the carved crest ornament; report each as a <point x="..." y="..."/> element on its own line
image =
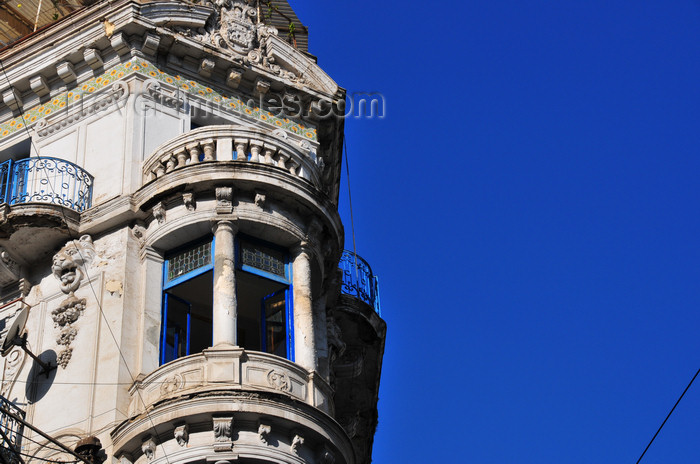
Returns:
<point x="69" y="267"/>
<point x="236" y="26"/>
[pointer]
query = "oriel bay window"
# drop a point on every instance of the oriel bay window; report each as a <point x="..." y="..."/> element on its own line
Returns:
<point x="263" y="287"/>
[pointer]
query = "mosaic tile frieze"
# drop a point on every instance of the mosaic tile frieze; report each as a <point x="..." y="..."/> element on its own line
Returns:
<point x="230" y="103"/>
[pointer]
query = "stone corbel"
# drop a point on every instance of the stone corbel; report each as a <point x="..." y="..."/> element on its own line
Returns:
<point x="206" y="67"/>
<point x="174" y="60"/>
<point x="159" y="212"/>
<point x="138" y="229"/>
<point x="4" y="212"/>
<point x="182" y="434"/>
<point x="297" y="441"/>
<point x="261" y="87"/>
<point x="150" y="44"/>
<point x="148" y="447"/>
<point x="233" y="78"/>
<point x="66" y="72"/>
<point x="326" y="456"/>
<point x="39" y="85"/>
<point x="223" y="438"/>
<point x="263" y="432"/>
<point x="120" y="43"/>
<point x="125" y="459"/>
<point x="189" y="201"/>
<point x="12" y="98"/>
<point x="93" y="58"/>
<point x="224" y="200"/>
<point x="9" y="269"/>
<point x="260" y="199"/>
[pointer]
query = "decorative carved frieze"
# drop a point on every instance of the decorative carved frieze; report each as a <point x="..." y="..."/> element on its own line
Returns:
<point x="223" y="440"/>
<point x="85" y="108"/>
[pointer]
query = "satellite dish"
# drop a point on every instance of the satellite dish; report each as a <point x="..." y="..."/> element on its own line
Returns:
<point x="15" y="332"/>
<point x="16" y="337"/>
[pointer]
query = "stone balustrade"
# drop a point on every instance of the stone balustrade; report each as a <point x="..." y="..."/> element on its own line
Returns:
<point x="235" y="143"/>
<point x="230" y="368"/>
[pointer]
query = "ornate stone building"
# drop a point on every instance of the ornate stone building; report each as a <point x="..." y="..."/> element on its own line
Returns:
<point x="169" y="213"/>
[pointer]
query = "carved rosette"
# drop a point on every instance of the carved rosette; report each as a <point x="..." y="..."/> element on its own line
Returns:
<point x="172" y="384"/>
<point x="279" y="381"/>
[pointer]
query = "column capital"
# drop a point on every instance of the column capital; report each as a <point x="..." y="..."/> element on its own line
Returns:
<point x="224" y="225"/>
<point x="302" y="247"/>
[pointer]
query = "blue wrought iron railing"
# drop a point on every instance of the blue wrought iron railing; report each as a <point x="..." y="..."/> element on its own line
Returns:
<point x="11" y="436"/>
<point x="45" y="180"/>
<point x="358" y="280"/>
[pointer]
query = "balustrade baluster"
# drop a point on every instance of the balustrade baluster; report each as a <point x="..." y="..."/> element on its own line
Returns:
<point x="282" y="160"/>
<point x="255" y="148"/>
<point x="269" y="151"/>
<point x="181" y="156"/>
<point x="241" y="145"/>
<point x="208" y="146"/>
<point x="194" y="150"/>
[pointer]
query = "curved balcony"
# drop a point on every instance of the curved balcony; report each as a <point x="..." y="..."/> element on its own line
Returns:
<point x="358" y="280"/>
<point x="45" y="180"/>
<point x="233" y="143"/>
<point x="230" y="369"/>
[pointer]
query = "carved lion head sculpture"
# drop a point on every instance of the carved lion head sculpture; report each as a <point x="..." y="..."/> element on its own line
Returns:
<point x="70" y="261"/>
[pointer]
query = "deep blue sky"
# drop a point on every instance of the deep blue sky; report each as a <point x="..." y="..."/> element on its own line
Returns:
<point x="530" y="204"/>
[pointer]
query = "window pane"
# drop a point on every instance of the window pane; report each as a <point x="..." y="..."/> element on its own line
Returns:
<point x="275" y="325"/>
<point x="263" y="258"/>
<point x="189" y="260"/>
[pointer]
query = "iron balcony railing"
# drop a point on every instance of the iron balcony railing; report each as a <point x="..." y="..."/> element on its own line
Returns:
<point x="358" y="280"/>
<point x="11" y="432"/>
<point x="45" y="180"/>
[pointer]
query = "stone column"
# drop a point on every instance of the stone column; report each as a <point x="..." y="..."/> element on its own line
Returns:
<point x="304" y="336"/>
<point x="151" y="317"/>
<point x="224" y="298"/>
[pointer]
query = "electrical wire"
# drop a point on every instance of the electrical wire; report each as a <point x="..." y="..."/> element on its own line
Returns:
<point x="669" y="415"/>
<point x="97" y="300"/>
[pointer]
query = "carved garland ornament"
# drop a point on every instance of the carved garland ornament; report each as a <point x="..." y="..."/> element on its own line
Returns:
<point x="69" y="268"/>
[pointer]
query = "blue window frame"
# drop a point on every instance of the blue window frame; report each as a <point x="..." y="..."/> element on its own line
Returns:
<point x="187" y="301"/>
<point x="264" y="295"/>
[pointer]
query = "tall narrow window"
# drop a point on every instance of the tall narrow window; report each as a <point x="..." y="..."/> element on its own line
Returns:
<point x="187" y="301"/>
<point x="265" y="315"/>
